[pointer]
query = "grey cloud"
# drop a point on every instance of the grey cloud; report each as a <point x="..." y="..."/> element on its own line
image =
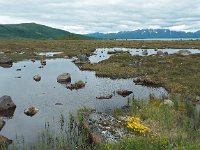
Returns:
<point x="83" y="16"/>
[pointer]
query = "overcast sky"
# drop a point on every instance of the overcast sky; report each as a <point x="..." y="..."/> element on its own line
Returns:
<point x="86" y="16"/>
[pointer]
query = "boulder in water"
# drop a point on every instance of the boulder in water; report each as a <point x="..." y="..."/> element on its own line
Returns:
<point x="105" y="97"/>
<point x="184" y="52"/>
<point x="37" y="78"/>
<point x="6" y="103"/>
<point x="124" y="93"/>
<point x="31" y="111"/>
<point x="64" y="78"/>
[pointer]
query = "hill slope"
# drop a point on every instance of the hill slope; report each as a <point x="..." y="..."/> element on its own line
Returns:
<point x="34" y="31"/>
<point x="146" y="34"/>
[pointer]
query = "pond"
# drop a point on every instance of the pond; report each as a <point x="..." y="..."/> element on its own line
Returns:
<point x="46" y="93"/>
<point x="102" y="53"/>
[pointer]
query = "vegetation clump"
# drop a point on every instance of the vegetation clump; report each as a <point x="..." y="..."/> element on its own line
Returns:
<point x="135" y="124"/>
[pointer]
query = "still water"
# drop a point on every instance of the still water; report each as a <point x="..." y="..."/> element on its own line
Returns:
<point x="46" y="93"/>
<point x="101" y="54"/>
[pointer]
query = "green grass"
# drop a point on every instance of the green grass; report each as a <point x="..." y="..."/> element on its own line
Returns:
<point x="35" y="31"/>
<point x="176" y="127"/>
<point x="171" y="127"/>
<point x="75" y="47"/>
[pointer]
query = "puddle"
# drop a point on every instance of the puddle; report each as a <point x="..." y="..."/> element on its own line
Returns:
<point x="46" y="93"/>
<point x="102" y="53"/>
<point x="48" y="54"/>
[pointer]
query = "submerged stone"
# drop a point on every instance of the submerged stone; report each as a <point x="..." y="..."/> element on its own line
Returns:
<point x="77" y="85"/>
<point x="104" y="128"/>
<point x="105" y="97"/>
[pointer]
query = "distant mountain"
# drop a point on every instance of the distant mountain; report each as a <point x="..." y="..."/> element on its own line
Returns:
<point x="146" y="34"/>
<point x="35" y="31"/>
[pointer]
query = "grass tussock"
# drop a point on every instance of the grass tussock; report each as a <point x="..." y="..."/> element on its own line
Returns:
<point x="169" y="127"/>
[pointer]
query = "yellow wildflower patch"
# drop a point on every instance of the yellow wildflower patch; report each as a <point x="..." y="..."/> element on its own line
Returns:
<point x="135" y="124"/>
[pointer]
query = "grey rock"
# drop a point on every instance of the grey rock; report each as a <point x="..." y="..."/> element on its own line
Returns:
<point x="104" y="128"/>
<point x="64" y="78"/>
<point x="109" y="96"/>
<point x="66" y="57"/>
<point x="6" y="103"/>
<point x="31" y="111"/>
<point x="2" y="123"/>
<point x="197" y="98"/>
<point x="184" y="52"/>
<point x="166" y="53"/>
<point x="81" y="59"/>
<point x="43" y="62"/>
<point x="77" y="85"/>
<point x="33" y="60"/>
<point x="124" y="93"/>
<point x="37" y="78"/>
<point x="58" y="104"/>
<point x="145" y="52"/>
<point x="6" y="65"/>
<point x="160" y="53"/>
<point x="6" y="61"/>
<point x="168" y="102"/>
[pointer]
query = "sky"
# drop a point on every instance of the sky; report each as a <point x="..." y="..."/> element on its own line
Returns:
<point x="88" y="16"/>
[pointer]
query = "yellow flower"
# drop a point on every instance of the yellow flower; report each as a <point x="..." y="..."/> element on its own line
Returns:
<point x="135" y="124"/>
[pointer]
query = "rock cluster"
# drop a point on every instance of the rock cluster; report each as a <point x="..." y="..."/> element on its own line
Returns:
<point x="104" y="128"/>
<point x="77" y="85"/>
<point x="81" y="59"/>
<point x="6" y="62"/>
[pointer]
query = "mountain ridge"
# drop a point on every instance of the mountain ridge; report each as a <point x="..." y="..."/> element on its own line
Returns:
<point x="145" y="34"/>
<point x="35" y="31"/>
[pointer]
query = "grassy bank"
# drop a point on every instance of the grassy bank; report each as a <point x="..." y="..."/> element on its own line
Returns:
<point x="75" y="47"/>
<point x="171" y="127"/>
<point x="174" y="126"/>
<point x="178" y="74"/>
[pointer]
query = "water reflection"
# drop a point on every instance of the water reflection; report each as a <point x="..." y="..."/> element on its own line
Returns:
<point x="6" y="65"/>
<point x="45" y="94"/>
